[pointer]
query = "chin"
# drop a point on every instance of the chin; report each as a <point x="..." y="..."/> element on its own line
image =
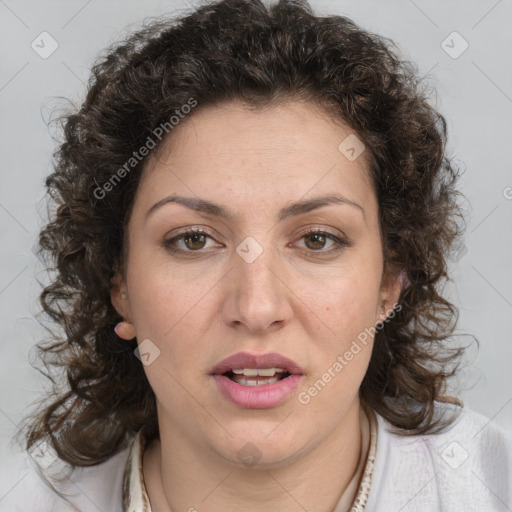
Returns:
<point x="253" y="448"/>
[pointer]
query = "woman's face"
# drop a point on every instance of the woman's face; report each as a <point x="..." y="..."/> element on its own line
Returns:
<point x="255" y="282"/>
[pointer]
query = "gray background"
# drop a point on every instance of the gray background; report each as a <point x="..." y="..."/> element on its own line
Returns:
<point x="474" y="94"/>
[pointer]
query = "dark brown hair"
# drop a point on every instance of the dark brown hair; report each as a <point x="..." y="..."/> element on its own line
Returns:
<point x="240" y="50"/>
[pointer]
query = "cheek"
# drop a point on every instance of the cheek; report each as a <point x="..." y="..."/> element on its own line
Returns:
<point x="344" y="342"/>
<point x="162" y="297"/>
<point x="173" y="310"/>
<point x="343" y="349"/>
<point x="347" y="303"/>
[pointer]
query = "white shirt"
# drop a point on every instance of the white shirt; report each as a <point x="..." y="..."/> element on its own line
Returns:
<point x="467" y="467"/>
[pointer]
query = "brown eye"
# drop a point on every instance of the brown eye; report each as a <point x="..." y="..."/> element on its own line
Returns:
<point x="318" y="241"/>
<point x="188" y="241"/>
<point x="194" y="241"/>
<point x="315" y="241"/>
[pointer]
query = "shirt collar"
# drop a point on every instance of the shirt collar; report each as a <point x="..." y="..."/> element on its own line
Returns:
<point x="135" y="497"/>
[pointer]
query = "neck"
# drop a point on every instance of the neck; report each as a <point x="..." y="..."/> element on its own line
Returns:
<point x="181" y="475"/>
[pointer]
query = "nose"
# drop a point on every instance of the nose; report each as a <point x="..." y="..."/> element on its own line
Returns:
<point x="257" y="295"/>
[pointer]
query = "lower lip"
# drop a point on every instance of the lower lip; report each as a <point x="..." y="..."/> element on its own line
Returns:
<point x="257" y="397"/>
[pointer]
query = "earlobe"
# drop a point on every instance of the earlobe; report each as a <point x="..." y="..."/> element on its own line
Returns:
<point x="125" y="330"/>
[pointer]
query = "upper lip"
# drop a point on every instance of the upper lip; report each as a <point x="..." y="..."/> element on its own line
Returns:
<point x="248" y="360"/>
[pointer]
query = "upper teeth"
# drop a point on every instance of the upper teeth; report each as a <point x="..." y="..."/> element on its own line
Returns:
<point x="253" y="372"/>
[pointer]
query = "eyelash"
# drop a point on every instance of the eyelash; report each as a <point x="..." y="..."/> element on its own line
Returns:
<point x="340" y="242"/>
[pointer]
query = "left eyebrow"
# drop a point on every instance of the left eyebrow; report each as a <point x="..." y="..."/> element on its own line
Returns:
<point x="216" y="210"/>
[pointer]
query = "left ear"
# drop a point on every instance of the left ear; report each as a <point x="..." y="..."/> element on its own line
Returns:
<point x="390" y="289"/>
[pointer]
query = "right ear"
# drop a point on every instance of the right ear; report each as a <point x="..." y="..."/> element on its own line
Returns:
<point x="119" y="296"/>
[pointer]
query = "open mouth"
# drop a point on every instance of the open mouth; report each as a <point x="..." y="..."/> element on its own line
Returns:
<point x="256" y="376"/>
<point x="257" y="381"/>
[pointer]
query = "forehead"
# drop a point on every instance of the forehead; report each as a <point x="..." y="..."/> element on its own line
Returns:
<point x="289" y="151"/>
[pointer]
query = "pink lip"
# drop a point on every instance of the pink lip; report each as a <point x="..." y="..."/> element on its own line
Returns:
<point x="257" y="397"/>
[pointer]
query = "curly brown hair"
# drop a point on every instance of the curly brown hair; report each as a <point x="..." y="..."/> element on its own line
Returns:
<point x="225" y="51"/>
